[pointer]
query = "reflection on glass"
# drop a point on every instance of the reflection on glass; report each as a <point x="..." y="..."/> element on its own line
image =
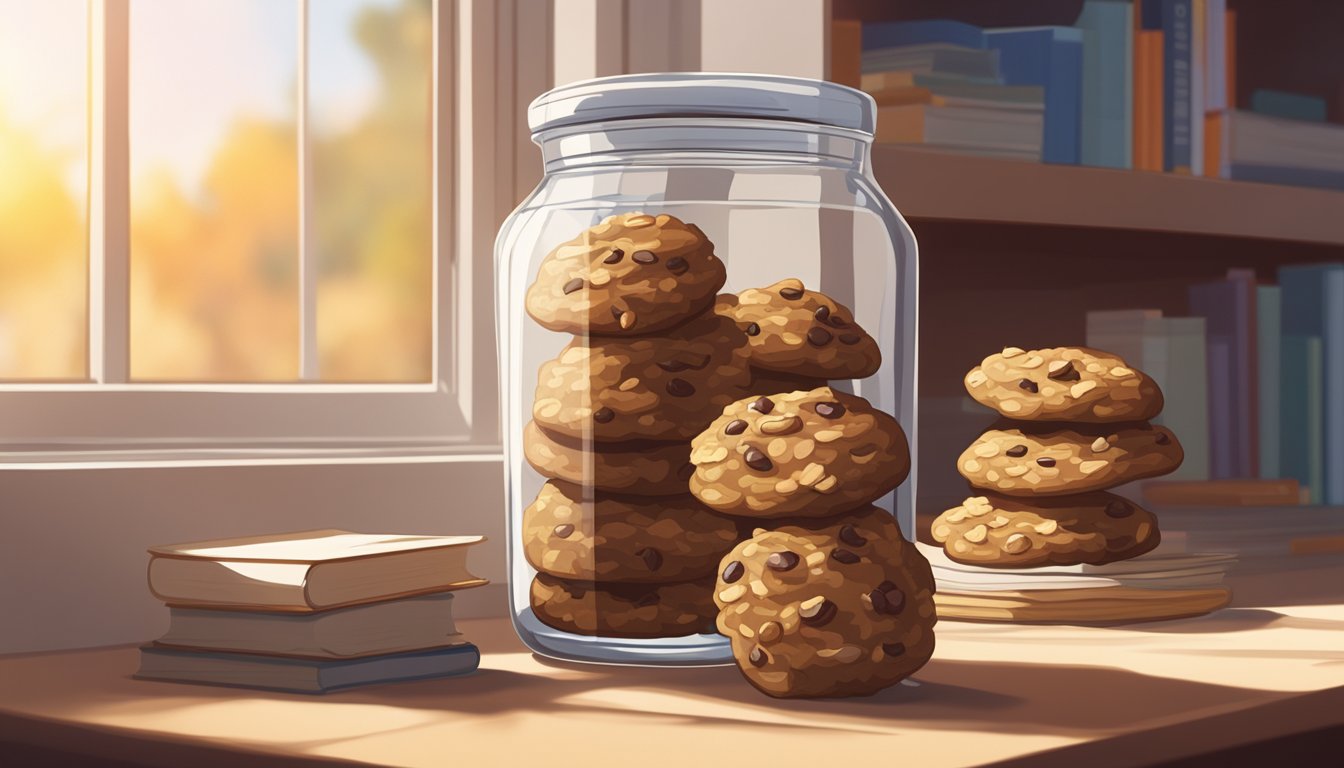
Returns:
<point x="369" y="127"/>
<point x="43" y="189"/>
<point x="214" y="190"/>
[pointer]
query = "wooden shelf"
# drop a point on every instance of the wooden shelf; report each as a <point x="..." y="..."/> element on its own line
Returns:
<point x="932" y="185"/>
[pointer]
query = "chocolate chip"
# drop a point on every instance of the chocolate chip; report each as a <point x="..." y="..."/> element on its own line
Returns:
<point x="1065" y="372"/>
<point x="829" y="410"/>
<point x="753" y="329"/>
<point x="645" y="257"/>
<point x="887" y="598"/>
<point x="844" y="556"/>
<point x="732" y="572"/>
<point x="735" y="427"/>
<point x="1118" y="508"/>
<point x="563" y="530"/>
<point x="673" y="366"/>
<point x="573" y="285"/>
<point x="1028" y="385"/>
<point x="614" y="257"/>
<point x="893" y="649"/>
<point x="822" y="314"/>
<point x="792" y="294"/>
<point x="762" y="404"/>
<point x="1017" y="451"/>
<point x="677" y="265"/>
<point x="757" y="460"/>
<point x="863" y="450"/>
<point x="616" y="312"/>
<point x="1162" y="438"/>
<point x="757" y="657"/>
<point x="781" y="561"/>
<point x="685" y="472"/>
<point x="818" y="337"/>
<point x="1046" y="461"/>
<point x="647" y="600"/>
<point x="603" y="415"/>
<point x="837" y="321"/>
<point x="823" y="615"/>
<point x="851" y="536"/>
<point x="653" y="559"/>
<point x="850" y="338"/>
<point x="679" y="388"/>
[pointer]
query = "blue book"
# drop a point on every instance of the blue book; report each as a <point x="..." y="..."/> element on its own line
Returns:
<point x="1269" y="329"/>
<point x="1301" y="412"/>
<point x="1287" y="176"/>
<point x="1293" y="106"/>
<point x="300" y="674"/>
<point x="1313" y="307"/>
<point x="1051" y="57"/>
<point x="1176" y="20"/>
<point x="1108" y="83"/>
<point x="892" y="34"/>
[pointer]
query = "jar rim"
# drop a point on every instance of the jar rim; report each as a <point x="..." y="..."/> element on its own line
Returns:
<point x="702" y="94"/>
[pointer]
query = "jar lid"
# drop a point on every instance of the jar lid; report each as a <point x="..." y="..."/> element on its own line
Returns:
<point x="702" y="94"/>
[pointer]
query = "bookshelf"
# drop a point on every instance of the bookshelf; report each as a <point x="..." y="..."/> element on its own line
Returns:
<point x="1016" y="252"/>
<point x="942" y="186"/>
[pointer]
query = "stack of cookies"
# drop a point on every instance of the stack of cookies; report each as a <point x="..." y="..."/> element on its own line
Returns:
<point x="621" y="548"/>
<point x="827" y="598"/>
<point x="1075" y="426"/>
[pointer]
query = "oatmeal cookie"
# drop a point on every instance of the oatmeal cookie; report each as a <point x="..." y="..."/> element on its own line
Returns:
<point x="1063" y="384"/>
<point x="1008" y="532"/>
<point x="805" y="333"/>
<point x="635" y="467"/>
<point x="1031" y="462"/>
<point x="810" y="454"/>
<point x="632" y="274"/>
<point x="623" y="538"/>
<point x="624" y="610"/>
<point x="840" y="608"/>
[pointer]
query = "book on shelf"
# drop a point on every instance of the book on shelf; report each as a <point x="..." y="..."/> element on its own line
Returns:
<point x="1228" y="307"/>
<point x="391" y="626"/>
<point x="1287" y="105"/>
<point x="1148" y="100"/>
<point x="1010" y="133"/>
<point x="1182" y="107"/>
<point x="1248" y="146"/>
<point x="303" y="675"/>
<point x="308" y="570"/>
<point x="940" y="58"/>
<point x="1269" y="330"/>
<point x="1051" y="57"/>
<point x="1218" y="64"/>
<point x="1171" y="350"/>
<point x="898" y="34"/>
<point x="1313" y="316"/>
<point x="1108" y="83"/>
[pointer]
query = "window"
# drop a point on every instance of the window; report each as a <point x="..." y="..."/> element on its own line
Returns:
<point x="227" y="223"/>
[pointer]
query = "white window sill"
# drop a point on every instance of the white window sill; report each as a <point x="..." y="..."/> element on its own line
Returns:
<point x="223" y="454"/>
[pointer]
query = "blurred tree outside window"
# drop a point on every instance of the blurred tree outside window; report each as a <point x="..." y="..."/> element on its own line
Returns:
<point x="214" y="199"/>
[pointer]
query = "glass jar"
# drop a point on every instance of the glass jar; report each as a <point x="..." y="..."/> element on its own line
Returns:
<point x="771" y="173"/>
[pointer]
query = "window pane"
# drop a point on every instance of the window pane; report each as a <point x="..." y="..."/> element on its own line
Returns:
<point x="214" y="190"/>
<point x="43" y="189"/>
<point x="369" y="110"/>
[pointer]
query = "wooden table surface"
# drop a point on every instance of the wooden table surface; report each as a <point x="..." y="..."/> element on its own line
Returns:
<point x="1038" y="696"/>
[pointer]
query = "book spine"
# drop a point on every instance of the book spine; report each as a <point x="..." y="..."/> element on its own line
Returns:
<point x="1107" y="91"/>
<point x="1198" y="43"/>
<point x="1148" y="100"/>
<point x="1177" y="104"/>
<point x="1299" y="411"/>
<point x="1186" y="388"/>
<point x="1230" y="40"/>
<point x="1246" y="361"/>
<point x="1332" y="350"/>
<point x="1053" y="58"/>
<point x="1226" y="305"/>
<point x="1215" y="56"/>
<point x="1269" y="328"/>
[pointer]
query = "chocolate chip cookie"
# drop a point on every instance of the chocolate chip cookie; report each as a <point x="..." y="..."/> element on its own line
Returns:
<point x="807" y="333"/>
<point x="1063" y="384"/>
<point x="602" y="537"/>
<point x="1007" y="532"/>
<point x="1030" y="462"/>
<point x="632" y="274"/>
<point x="636" y="467"/>
<point x="841" y="609"/>
<point x="664" y="388"/>
<point x="624" y="610"/>
<point x="810" y="454"/>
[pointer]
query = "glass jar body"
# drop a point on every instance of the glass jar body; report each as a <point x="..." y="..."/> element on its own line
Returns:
<point x="778" y="201"/>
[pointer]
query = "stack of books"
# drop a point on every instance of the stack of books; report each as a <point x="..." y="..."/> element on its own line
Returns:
<point x="310" y="612"/>
<point x="1158" y="585"/>
<point x="1252" y="380"/>
<point x="1143" y="84"/>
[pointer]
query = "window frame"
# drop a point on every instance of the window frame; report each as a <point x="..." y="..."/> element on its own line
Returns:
<point x="456" y="411"/>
